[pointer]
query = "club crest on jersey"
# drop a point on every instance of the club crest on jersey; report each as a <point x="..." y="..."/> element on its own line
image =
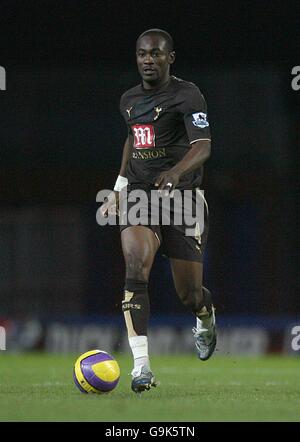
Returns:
<point x="158" y="111"/>
<point x="144" y="136"/>
<point x="200" y="120"/>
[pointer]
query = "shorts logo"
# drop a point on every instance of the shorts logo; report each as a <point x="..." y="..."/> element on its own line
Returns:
<point x="200" y="120"/>
<point x="144" y="136"/>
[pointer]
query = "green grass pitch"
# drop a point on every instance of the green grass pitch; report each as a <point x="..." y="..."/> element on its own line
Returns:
<point x="37" y="387"/>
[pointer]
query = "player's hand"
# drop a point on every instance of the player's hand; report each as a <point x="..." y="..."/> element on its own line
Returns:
<point x="167" y="181"/>
<point x="111" y="205"/>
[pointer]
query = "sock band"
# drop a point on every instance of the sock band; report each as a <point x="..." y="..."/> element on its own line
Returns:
<point x="139" y="346"/>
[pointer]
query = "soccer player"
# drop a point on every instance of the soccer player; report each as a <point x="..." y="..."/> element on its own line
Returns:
<point x="168" y="142"/>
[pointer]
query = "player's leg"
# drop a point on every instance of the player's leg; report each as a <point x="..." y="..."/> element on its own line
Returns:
<point x="139" y="244"/>
<point x="188" y="276"/>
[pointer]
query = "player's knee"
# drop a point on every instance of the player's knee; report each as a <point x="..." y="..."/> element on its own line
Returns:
<point x="191" y="297"/>
<point x="136" y="267"/>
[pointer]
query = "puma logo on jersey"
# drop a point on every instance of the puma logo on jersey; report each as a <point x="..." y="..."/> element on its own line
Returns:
<point x="129" y="110"/>
<point x="157" y="110"/>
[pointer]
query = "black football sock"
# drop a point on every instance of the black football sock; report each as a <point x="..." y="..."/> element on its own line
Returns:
<point x="206" y="306"/>
<point x="136" y="307"/>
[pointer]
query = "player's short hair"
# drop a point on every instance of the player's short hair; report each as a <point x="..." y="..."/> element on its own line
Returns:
<point x="164" y="34"/>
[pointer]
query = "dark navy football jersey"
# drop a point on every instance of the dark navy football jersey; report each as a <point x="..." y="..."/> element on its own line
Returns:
<point x="162" y="125"/>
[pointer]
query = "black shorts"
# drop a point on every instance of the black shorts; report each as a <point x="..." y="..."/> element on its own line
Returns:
<point x="182" y="240"/>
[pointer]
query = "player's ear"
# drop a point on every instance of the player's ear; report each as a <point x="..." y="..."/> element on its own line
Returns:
<point x="172" y="57"/>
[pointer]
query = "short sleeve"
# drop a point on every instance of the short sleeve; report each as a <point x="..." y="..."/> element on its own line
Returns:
<point x="194" y="110"/>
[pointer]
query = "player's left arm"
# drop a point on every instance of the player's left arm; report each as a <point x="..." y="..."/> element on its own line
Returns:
<point x="193" y="110"/>
<point x="193" y="159"/>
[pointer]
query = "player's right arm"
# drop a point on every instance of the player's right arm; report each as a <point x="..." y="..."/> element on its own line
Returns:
<point x="111" y="205"/>
<point x="127" y="149"/>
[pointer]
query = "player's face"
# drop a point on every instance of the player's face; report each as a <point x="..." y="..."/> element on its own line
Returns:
<point x="153" y="59"/>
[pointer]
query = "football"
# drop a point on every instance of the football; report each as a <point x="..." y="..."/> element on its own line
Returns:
<point x="96" y="372"/>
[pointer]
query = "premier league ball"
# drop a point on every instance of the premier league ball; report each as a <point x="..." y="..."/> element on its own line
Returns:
<point x="96" y="372"/>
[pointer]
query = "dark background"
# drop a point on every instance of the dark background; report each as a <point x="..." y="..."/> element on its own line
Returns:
<point x="61" y="138"/>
